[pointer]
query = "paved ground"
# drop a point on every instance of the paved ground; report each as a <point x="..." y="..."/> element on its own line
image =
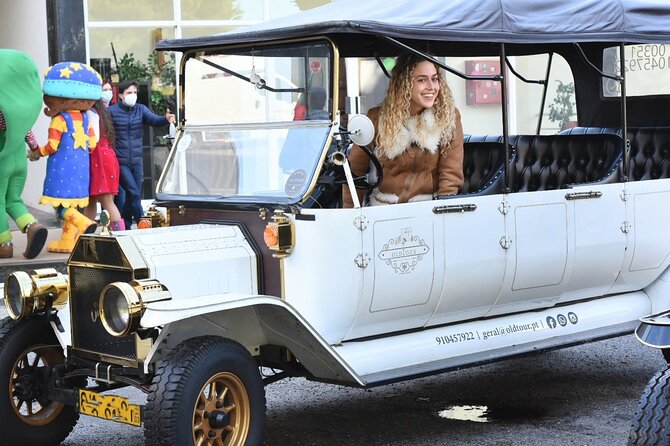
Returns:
<point x="581" y="396"/>
<point x="44" y="259"/>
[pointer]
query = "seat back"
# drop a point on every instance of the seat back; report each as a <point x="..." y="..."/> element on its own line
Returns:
<point x="547" y="162"/>
<point x="649" y="153"/>
<point x="483" y="166"/>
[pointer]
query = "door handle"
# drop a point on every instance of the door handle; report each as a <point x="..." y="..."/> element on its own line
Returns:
<point x="452" y="208"/>
<point x="583" y="195"/>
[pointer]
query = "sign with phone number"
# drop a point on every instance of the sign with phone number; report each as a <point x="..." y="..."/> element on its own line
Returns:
<point x="647" y="57"/>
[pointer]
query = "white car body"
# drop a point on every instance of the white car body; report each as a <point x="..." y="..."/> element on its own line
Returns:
<point x="553" y="239"/>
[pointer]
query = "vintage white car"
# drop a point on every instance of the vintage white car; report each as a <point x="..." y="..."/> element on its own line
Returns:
<point x="258" y="273"/>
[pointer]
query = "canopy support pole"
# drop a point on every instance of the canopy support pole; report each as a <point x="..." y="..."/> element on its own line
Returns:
<point x="624" y="113"/>
<point x="503" y="96"/>
<point x="544" y="93"/>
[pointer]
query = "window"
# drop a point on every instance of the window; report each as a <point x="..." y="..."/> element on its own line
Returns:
<point x="647" y="70"/>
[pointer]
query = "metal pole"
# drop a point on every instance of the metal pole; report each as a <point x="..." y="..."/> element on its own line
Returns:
<point x="503" y="91"/>
<point x="544" y="93"/>
<point x="624" y="116"/>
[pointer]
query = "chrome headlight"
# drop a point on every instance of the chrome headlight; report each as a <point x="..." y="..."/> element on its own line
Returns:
<point x="122" y="304"/>
<point x="27" y="293"/>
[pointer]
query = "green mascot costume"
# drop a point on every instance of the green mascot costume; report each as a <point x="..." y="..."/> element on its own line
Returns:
<point x="20" y="104"/>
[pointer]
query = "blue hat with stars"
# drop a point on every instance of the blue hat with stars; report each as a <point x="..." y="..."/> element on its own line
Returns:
<point x="72" y="80"/>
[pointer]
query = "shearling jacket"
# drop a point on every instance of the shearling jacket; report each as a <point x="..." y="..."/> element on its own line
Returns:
<point x="418" y="167"/>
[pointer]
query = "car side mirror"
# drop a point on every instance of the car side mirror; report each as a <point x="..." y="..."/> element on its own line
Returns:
<point x="361" y="130"/>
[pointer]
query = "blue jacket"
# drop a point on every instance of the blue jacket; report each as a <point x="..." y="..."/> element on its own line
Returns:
<point x="129" y="128"/>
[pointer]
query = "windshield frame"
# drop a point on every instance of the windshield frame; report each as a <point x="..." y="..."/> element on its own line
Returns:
<point x="246" y="201"/>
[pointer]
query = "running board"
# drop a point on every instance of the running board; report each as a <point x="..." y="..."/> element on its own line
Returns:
<point x="448" y="347"/>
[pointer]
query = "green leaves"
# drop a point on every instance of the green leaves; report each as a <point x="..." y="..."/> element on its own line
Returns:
<point x="562" y="109"/>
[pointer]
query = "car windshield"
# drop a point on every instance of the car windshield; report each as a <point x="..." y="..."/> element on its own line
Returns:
<point x="256" y="125"/>
<point x="270" y="164"/>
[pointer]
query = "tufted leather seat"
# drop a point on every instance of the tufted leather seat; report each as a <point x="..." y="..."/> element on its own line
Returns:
<point x="483" y="166"/>
<point x="541" y="162"/>
<point x="547" y="162"/>
<point x="649" y="150"/>
<point x="649" y="153"/>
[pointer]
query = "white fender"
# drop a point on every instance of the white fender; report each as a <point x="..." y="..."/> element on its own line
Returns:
<point x="251" y="320"/>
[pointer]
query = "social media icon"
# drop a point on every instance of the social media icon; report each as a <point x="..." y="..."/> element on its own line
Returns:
<point x="562" y="320"/>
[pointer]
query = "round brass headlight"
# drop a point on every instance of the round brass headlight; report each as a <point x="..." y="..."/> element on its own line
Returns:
<point x="19" y="295"/>
<point x="120" y="308"/>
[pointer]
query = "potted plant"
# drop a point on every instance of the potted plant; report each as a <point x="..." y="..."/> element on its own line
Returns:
<point x="562" y="110"/>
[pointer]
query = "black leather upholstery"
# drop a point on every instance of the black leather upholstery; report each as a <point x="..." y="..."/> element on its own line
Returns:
<point x="591" y="131"/>
<point x="649" y="150"/>
<point x="483" y="166"/>
<point x="541" y="162"/>
<point x="547" y="162"/>
<point x="649" y="153"/>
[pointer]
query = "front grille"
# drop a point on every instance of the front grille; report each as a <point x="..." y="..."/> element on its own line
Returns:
<point x="88" y="334"/>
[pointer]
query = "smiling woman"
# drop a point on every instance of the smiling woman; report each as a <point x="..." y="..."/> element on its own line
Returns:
<point x="419" y="137"/>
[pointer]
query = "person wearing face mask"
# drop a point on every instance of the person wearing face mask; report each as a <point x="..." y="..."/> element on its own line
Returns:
<point x="107" y="93"/>
<point x="129" y="119"/>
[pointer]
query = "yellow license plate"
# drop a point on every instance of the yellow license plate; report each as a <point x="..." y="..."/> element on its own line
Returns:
<point x="109" y="407"/>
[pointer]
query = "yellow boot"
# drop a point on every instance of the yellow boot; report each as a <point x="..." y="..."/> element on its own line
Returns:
<point x="67" y="239"/>
<point x="82" y="223"/>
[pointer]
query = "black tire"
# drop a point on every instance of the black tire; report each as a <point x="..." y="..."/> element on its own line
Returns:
<point x="180" y="407"/>
<point x="666" y="354"/>
<point x="28" y="417"/>
<point x="651" y="422"/>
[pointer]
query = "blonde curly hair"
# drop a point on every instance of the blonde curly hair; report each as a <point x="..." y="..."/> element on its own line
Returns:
<point x="394" y="109"/>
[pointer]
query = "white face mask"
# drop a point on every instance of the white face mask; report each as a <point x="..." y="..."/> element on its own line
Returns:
<point x="130" y="99"/>
<point x="107" y="96"/>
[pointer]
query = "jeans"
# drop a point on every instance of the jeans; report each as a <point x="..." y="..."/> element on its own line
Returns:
<point x="129" y="199"/>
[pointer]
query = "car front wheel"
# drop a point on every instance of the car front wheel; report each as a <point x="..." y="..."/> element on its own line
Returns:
<point x="27" y="351"/>
<point x="208" y="391"/>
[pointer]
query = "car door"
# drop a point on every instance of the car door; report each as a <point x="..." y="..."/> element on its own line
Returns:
<point x="564" y="245"/>
<point x="647" y="227"/>
<point x="428" y="263"/>
<point x="398" y="259"/>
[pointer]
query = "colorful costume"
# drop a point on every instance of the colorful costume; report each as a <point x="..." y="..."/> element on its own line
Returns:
<point x="20" y="104"/>
<point x="67" y="180"/>
<point x="70" y="88"/>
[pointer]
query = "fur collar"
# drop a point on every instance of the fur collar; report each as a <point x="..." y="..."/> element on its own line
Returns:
<point x="420" y="130"/>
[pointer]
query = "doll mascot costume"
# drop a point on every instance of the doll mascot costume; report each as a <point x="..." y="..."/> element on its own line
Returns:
<point x="70" y="88"/>
<point x="20" y="104"/>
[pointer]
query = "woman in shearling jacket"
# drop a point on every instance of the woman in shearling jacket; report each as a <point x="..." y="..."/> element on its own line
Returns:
<point x="418" y="137"/>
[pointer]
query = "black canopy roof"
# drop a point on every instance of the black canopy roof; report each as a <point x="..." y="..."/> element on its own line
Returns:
<point x="507" y="21"/>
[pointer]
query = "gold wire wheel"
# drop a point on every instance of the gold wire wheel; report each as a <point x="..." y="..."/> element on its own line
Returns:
<point x="222" y="413"/>
<point x="26" y="386"/>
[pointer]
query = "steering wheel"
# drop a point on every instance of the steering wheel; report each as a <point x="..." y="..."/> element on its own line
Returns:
<point x="362" y="182"/>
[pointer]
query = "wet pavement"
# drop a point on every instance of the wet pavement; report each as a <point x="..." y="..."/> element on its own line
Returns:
<point x="579" y="396"/>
